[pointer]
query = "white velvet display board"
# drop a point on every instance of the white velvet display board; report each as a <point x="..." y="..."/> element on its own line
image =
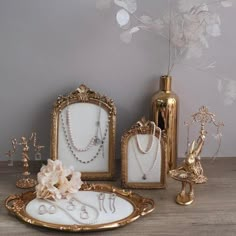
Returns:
<point x="135" y="174"/>
<point x="123" y="209"/>
<point x="83" y="119"/>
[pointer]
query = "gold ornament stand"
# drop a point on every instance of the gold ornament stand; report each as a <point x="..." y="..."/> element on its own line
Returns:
<point x="185" y="198"/>
<point x="191" y="171"/>
<point x="25" y="180"/>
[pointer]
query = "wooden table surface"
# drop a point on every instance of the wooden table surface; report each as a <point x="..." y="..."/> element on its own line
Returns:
<point x="213" y="212"/>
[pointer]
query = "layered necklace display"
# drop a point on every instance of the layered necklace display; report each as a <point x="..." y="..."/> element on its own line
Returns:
<point x="137" y="148"/>
<point x="97" y="140"/>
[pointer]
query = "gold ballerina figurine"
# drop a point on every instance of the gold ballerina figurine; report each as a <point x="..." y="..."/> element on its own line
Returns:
<point x="191" y="172"/>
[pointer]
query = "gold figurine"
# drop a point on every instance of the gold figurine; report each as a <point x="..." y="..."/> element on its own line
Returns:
<point x="25" y="181"/>
<point x="191" y="172"/>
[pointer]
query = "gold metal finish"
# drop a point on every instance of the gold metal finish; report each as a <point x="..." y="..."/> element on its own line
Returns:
<point x="191" y="172"/>
<point x="25" y="180"/>
<point x="26" y="183"/>
<point x="16" y="204"/>
<point x="142" y="127"/>
<point x="84" y="94"/>
<point x="164" y="114"/>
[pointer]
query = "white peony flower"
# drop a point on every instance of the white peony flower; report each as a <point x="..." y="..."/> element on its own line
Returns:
<point x="122" y="17"/>
<point x="213" y="30"/>
<point x="226" y="3"/>
<point x="55" y="182"/>
<point x="188" y="5"/>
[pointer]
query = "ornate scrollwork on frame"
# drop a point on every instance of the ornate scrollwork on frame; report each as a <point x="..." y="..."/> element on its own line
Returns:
<point x="85" y="95"/>
<point x="143" y="126"/>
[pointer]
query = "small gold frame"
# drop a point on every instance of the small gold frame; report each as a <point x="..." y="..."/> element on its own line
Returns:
<point x="142" y="127"/>
<point x="83" y="94"/>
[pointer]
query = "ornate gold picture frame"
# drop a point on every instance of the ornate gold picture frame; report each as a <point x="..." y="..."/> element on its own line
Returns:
<point x="83" y="133"/>
<point x="143" y="127"/>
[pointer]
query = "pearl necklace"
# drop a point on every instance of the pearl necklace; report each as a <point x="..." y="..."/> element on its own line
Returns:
<point x="97" y="141"/>
<point x="145" y="173"/>
<point x="148" y="149"/>
<point x="93" y="141"/>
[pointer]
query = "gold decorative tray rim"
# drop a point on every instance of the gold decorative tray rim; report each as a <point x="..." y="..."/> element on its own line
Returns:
<point x="16" y="204"/>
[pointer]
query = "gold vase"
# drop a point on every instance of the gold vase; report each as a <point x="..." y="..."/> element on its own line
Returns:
<point x="164" y="114"/>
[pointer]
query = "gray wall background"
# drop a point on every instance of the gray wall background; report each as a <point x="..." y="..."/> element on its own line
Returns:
<point x="50" y="47"/>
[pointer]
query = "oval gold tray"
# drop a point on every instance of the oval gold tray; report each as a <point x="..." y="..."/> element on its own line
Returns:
<point x="16" y="204"/>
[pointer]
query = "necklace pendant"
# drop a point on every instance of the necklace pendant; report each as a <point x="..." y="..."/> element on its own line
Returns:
<point x="97" y="141"/>
<point x="144" y="177"/>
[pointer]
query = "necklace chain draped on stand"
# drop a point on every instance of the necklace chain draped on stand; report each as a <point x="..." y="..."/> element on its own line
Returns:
<point x="149" y="147"/>
<point x="97" y="139"/>
<point x="137" y="146"/>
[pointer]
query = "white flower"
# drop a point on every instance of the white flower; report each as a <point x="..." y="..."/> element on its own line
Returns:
<point x="122" y="17"/>
<point x="213" y="30"/>
<point x="226" y="3"/>
<point x="230" y="92"/>
<point x="146" y="19"/>
<point x="126" y="36"/>
<point x="55" y="182"/>
<point x="187" y="28"/>
<point x="192" y="26"/>
<point x="194" y="52"/>
<point x="158" y="24"/>
<point x="188" y="5"/>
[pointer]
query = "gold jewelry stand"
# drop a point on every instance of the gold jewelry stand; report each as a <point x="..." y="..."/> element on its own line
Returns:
<point x="25" y="180"/>
<point x="191" y="172"/>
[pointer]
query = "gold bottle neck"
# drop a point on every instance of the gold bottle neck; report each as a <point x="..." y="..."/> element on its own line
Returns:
<point x="165" y="83"/>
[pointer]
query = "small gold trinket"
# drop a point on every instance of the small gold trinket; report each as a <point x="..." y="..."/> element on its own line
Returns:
<point x="25" y="181"/>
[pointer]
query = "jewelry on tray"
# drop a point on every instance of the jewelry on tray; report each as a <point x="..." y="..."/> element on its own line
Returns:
<point x="101" y="199"/>
<point x="97" y="140"/>
<point x="112" y="198"/>
<point x="70" y="207"/>
<point x="43" y="209"/>
<point x="52" y="210"/>
<point x="84" y="214"/>
<point x="145" y="173"/>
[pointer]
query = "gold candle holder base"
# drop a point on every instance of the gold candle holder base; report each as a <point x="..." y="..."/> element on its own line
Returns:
<point x="26" y="183"/>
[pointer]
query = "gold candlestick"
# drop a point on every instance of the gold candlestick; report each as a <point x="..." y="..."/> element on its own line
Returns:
<point x="25" y="181"/>
<point x="191" y="171"/>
